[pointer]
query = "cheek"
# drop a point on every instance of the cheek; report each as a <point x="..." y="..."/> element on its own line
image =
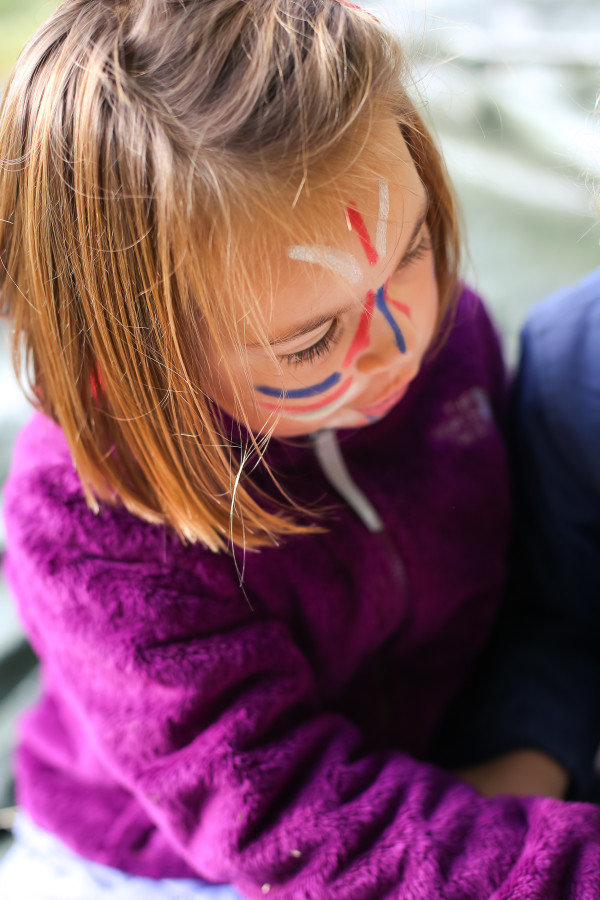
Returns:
<point x="429" y="305"/>
<point x="228" y="385"/>
<point x="419" y="302"/>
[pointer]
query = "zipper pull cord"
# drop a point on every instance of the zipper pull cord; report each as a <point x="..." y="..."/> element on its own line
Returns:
<point x="334" y="468"/>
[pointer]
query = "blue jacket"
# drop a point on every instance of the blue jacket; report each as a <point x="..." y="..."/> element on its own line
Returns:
<point x="538" y="685"/>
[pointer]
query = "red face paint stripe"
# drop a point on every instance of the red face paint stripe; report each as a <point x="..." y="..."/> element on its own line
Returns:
<point x="401" y="306"/>
<point x="358" y="224"/>
<point x="310" y="407"/>
<point x="362" y="338"/>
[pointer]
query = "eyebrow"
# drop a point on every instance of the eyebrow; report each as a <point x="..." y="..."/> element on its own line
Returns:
<point x="297" y="331"/>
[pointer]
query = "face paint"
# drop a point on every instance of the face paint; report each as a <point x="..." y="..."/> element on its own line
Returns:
<point x="362" y="338"/>
<point x="301" y="392"/>
<point x="373" y="254"/>
<point x="358" y="225"/>
<point x="318" y="283"/>
<point x="382" y="221"/>
<point x="313" y="410"/>
<point x="401" y="306"/>
<point x="384" y="309"/>
<point x="344" y="264"/>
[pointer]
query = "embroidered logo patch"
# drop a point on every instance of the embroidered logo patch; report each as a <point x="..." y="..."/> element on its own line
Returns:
<point x="465" y="419"/>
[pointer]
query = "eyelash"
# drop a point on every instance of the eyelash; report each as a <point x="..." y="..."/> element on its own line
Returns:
<point x="322" y="347"/>
<point x="422" y="248"/>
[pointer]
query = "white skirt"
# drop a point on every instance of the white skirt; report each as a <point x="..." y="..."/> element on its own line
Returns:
<point x="39" y="867"/>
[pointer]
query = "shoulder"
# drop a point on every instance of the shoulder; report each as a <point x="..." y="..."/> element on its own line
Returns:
<point x="71" y="568"/>
<point x="468" y="318"/>
<point x="472" y="334"/>
<point x="559" y="375"/>
<point x="45" y="500"/>
<point x="470" y="355"/>
<point x="563" y="331"/>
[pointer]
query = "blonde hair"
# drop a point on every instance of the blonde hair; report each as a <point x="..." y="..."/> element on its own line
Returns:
<point x="148" y="150"/>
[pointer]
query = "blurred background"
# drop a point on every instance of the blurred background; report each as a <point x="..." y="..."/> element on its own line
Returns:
<point x="510" y="87"/>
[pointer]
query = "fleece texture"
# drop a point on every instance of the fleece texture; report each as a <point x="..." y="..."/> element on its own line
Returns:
<point x="277" y="738"/>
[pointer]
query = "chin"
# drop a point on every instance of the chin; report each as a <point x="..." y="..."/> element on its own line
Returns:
<point x="349" y="418"/>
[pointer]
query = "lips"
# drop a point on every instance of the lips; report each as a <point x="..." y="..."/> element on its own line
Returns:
<point x="382" y="406"/>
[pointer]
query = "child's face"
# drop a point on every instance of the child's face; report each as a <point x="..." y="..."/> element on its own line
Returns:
<point x="345" y="344"/>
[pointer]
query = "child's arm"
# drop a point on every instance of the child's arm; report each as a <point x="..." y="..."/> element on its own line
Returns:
<point x="209" y="717"/>
<point x="539" y="684"/>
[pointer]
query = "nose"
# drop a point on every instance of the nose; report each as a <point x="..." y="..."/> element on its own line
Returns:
<point x="386" y="339"/>
<point x="382" y="353"/>
<point x="371" y="362"/>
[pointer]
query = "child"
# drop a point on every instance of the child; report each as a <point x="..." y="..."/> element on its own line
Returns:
<point x="224" y="222"/>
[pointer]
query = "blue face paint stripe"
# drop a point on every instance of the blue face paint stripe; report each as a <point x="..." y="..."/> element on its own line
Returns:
<point x="300" y="393"/>
<point x="384" y="309"/>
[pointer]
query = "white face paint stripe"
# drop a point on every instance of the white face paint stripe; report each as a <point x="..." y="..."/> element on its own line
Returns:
<point x="345" y="264"/>
<point x="313" y="415"/>
<point x="384" y="215"/>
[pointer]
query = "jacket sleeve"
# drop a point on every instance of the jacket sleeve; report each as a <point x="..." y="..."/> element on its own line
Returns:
<point x="209" y="714"/>
<point x="538" y="684"/>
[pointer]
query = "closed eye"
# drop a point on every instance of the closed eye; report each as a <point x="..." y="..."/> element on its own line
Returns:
<point x="419" y="252"/>
<point x="321" y="348"/>
<point x="324" y="344"/>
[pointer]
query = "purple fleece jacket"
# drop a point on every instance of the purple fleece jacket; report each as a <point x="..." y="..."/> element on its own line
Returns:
<point x="279" y="742"/>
